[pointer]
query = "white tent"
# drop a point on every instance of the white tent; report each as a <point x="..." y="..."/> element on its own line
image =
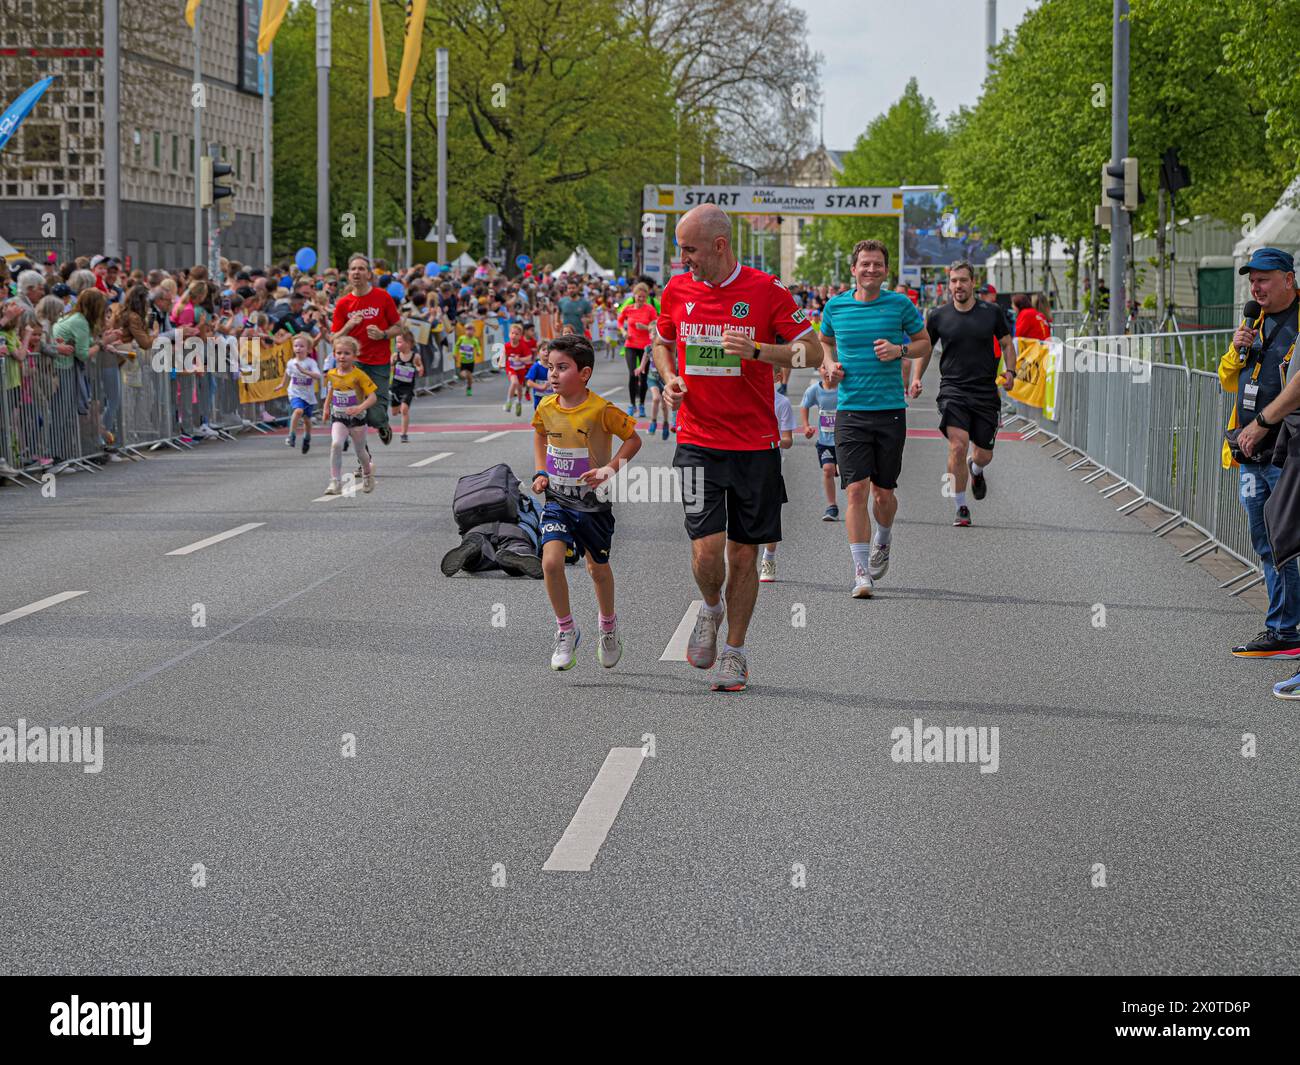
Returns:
<point x="7" y="250"/>
<point x="1280" y="228"/>
<point x="581" y="262"/>
<point x="464" y="262"/>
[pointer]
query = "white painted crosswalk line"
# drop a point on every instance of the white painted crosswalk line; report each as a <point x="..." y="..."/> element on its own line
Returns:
<point x="493" y="436"/>
<point x="430" y="459"/>
<point x="676" y="649"/>
<point x="591" y="824"/>
<point x="189" y="549"/>
<point x="41" y="604"/>
<point x="616" y="388"/>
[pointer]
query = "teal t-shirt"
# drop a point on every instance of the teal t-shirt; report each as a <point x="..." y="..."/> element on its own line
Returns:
<point x="855" y="326"/>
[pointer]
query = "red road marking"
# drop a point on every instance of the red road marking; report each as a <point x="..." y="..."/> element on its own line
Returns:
<point x="498" y="427"/>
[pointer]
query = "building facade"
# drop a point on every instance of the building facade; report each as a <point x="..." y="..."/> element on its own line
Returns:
<point x="820" y="169"/>
<point x="52" y="170"/>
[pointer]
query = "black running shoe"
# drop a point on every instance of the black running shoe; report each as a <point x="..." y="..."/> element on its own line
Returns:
<point x="978" y="486"/>
<point x="519" y="564"/>
<point x="1268" y="644"/>
<point x="963" y="516"/>
<point x="306" y="443"/>
<point x="385" y="434"/>
<point x="463" y="554"/>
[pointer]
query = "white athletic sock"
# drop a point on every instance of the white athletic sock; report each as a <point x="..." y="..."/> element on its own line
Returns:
<point x="716" y="611"/>
<point x="739" y="650"/>
<point x="768" y="554"/>
<point x="884" y="533"/>
<point x="961" y="499"/>
<point x="861" y="555"/>
<point x="976" y="468"/>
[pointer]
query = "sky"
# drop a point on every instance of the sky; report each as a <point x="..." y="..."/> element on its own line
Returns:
<point x="870" y="49"/>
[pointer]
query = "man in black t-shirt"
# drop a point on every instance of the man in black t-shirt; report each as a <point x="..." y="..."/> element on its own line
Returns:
<point x="971" y="332"/>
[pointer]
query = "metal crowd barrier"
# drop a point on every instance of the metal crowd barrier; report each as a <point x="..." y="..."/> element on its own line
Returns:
<point x="1148" y="413"/>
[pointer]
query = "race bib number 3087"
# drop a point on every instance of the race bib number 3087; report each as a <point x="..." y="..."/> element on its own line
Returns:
<point x="711" y="360"/>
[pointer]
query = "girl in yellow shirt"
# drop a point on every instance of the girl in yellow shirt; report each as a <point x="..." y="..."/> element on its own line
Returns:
<point x="350" y="393"/>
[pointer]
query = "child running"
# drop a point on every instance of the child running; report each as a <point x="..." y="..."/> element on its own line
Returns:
<point x="468" y="352"/>
<point x="407" y="365"/>
<point x="785" y="425"/>
<point x="351" y="393"/>
<point x="301" y="374"/>
<point x="539" y="375"/>
<point x="655" y="384"/>
<point x="518" y="361"/>
<point x="826" y="398"/>
<point x="575" y="427"/>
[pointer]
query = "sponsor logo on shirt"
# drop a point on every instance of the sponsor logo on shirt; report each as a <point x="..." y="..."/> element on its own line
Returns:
<point x="690" y="307"/>
<point x="740" y="310"/>
<point x="798" y="316"/>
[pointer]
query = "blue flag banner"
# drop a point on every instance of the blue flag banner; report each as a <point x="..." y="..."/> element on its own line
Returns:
<point x="20" y="109"/>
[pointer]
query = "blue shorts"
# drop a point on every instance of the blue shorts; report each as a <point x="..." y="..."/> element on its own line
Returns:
<point x="582" y="532"/>
<point x="826" y="454"/>
<point x="303" y="405"/>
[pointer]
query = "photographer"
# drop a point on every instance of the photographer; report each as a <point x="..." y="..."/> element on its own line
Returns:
<point x="1255" y="368"/>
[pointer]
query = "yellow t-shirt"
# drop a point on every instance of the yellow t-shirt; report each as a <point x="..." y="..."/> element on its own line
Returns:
<point x="350" y="389"/>
<point x="579" y="439"/>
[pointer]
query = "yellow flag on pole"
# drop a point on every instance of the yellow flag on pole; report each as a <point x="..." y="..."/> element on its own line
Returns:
<point x="191" y="6"/>
<point x="380" y="58"/>
<point x="410" y="51"/>
<point x="273" y="12"/>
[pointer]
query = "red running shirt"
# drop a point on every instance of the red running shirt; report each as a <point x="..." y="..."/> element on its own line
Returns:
<point x="378" y="309"/>
<point x="728" y="404"/>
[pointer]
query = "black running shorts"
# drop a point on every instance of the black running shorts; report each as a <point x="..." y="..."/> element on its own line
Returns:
<point x="979" y="420"/>
<point x="736" y="492"/>
<point x="869" y="446"/>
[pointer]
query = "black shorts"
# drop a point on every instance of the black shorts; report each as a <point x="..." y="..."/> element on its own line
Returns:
<point x="583" y="532"/>
<point x="736" y="492"/>
<point x="979" y="420"/>
<point x="826" y="455"/>
<point x="403" y="392"/>
<point x="869" y="446"/>
<point x="351" y="423"/>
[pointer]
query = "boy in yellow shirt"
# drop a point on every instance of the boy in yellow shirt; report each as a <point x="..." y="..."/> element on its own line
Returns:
<point x="350" y="393"/>
<point x="575" y="429"/>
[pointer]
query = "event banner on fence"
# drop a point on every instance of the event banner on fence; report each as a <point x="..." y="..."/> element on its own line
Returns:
<point x="1031" y="375"/>
<point x="269" y="382"/>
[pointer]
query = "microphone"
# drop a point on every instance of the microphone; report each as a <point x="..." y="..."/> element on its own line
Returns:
<point x="1249" y="313"/>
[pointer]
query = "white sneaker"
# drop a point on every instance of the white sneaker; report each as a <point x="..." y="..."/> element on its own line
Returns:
<point x="368" y="482"/>
<point x="507" y="406"/>
<point x="565" y="645"/>
<point x="610" y="649"/>
<point x="333" y="489"/>
<point x="862" y="586"/>
<point x="767" y="570"/>
<point x="879" y="563"/>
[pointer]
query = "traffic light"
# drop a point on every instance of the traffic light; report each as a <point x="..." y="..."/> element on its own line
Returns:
<point x="209" y="171"/>
<point x="1127" y="193"/>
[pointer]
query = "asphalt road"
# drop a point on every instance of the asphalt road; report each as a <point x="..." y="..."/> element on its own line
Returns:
<point x="223" y="743"/>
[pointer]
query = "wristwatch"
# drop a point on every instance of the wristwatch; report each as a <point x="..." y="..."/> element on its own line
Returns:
<point x="903" y="349"/>
<point x="1259" y="420"/>
<point x="758" y="351"/>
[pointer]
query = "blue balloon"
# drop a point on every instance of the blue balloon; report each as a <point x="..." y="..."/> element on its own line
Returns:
<point x="285" y="283"/>
<point x="396" y="289"/>
<point x="522" y="260"/>
<point x="622" y="281"/>
<point x="432" y="269"/>
<point x="305" y="259"/>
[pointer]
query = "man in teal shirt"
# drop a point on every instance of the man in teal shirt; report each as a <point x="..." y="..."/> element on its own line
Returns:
<point x="866" y="334"/>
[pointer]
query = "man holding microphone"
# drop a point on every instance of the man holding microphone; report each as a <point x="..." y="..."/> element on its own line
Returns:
<point x="1255" y="367"/>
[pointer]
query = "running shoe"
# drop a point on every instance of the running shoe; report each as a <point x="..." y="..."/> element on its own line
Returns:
<point x="978" y="485"/>
<point x="610" y="649"/>
<point x="878" y="566"/>
<point x="368" y="483"/>
<point x="732" y="673"/>
<point x="1269" y="644"/>
<point x="306" y="443"/>
<point x="665" y="429"/>
<point x="460" y="557"/>
<point x="862" y="586"/>
<point x="520" y="564"/>
<point x="702" y="647"/>
<point x="631" y="411"/>
<point x="654" y="428"/>
<point x="290" y="440"/>
<point x="832" y="513"/>
<point x="469" y="391"/>
<point x="506" y="406"/>
<point x="1288" y="689"/>
<point x="565" y="645"/>
<point x="405" y="439"/>
<point x="963" y="516"/>
<point x="519" y="408"/>
<point x="333" y="489"/>
<point x="640" y="410"/>
<point x="767" y="570"/>
<point x="385" y="434"/>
